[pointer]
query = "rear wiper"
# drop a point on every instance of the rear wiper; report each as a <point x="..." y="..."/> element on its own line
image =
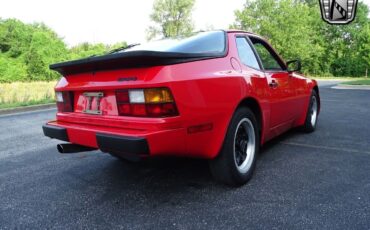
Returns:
<point x="123" y="48"/>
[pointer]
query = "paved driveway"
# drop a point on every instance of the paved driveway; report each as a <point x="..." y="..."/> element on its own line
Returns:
<point x="314" y="181"/>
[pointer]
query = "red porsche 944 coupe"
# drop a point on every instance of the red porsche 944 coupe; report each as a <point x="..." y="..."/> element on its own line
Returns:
<point x="217" y="95"/>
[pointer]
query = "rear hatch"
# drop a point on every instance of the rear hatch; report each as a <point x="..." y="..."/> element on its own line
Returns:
<point x="127" y="84"/>
<point x="133" y="83"/>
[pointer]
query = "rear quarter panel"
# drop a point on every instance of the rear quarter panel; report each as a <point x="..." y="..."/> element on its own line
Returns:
<point x="304" y="90"/>
<point x="208" y="92"/>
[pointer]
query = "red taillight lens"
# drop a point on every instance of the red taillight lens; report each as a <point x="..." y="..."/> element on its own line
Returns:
<point x="122" y="96"/>
<point x="166" y="109"/>
<point x="154" y="102"/>
<point x="64" y="101"/>
<point x="124" y="109"/>
<point x="138" y="110"/>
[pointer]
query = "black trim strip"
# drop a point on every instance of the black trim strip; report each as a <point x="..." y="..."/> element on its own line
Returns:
<point x="133" y="59"/>
<point x="122" y="144"/>
<point x="55" y="132"/>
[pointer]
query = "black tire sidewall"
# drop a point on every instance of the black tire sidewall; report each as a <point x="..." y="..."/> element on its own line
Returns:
<point x="226" y="159"/>
<point x="308" y="127"/>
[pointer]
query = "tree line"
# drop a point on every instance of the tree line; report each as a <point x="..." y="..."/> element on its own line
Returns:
<point x="27" y="50"/>
<point x="296" y="30"/>
<point x="294" y="27"/>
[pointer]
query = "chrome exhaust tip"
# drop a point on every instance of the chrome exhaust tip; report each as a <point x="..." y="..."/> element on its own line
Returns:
<point x="72" y="148"/>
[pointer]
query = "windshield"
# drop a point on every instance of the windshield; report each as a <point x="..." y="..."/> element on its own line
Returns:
<point x="203" y="42"/>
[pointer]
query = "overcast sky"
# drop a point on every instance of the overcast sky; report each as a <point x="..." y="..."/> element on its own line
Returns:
<point x="110" y="21"/>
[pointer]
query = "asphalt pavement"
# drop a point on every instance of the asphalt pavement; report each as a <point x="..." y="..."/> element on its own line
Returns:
<point x="302" y="181"/>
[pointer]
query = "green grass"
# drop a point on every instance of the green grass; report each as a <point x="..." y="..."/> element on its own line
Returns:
<point x="338" y="78"/>
<point x="334" y="78"/>
<point x="18" y="94"/>
<point x="363" y="81"/>
<point x="22" y="104"/>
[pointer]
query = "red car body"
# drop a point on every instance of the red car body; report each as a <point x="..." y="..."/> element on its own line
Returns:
<point x="206" y="94"/>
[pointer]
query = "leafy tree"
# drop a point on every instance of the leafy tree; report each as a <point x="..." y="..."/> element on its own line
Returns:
<point x="172" y="18"/>
<point x="27" y="50"/>
<point x="45" y="49"/>
<point x="347" y="46"/>
<point x="12" y="69"/>
<point x="295" y="29"/>
<point x="86" y="49"/>
<point x="284" y="23"/>
<point x="14" y="37"/>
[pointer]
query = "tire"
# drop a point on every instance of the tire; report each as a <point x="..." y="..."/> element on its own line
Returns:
<point x="312" y="113"/>
<point x="237" y="159"/>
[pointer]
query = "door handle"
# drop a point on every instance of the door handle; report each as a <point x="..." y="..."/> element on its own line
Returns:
<point x="273" y="84"/>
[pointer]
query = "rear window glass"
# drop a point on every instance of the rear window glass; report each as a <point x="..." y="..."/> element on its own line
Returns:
<point x="204" y="42"/>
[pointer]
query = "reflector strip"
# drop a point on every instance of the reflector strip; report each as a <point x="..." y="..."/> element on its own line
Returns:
<point x="200" y="128"/>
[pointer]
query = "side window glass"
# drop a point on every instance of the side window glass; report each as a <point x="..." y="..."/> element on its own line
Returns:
<point x="246" y="53"/>
<point x="267" y="58"/>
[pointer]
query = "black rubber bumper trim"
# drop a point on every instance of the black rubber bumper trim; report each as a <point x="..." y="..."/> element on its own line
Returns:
<point x="55" y="132"/>
<point x="122" y="144"/>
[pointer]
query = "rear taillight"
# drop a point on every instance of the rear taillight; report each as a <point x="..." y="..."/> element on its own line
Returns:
<point x="155" y="102"/>
<point x="64" y="101"/>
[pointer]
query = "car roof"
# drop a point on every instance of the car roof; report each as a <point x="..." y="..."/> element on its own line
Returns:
<point x="242" y="31"/>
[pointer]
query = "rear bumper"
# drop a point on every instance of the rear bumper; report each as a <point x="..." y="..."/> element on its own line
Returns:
<point x="125" y="143"/>
<point x="55" y="132"/>
<point x="105" y="142"/>
<point x="117" y="144"/>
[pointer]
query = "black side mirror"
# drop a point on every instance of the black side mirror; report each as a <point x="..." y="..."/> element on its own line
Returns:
<point x="294" y="66"/>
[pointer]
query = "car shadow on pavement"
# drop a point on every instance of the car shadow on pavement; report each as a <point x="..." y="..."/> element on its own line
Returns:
<point x="154" y="183"/>
<point x="269" y="145"/>
<point x="160" y="181"/>
<point x="170" y="174"/>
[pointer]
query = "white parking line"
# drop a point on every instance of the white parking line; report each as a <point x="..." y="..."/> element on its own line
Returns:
<point x="325" y="147"/>
<point x="331" y="100"/>
<point x="352" y="87"/>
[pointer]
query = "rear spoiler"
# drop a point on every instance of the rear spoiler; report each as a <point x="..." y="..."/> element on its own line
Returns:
<point x="132" y="59"/>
